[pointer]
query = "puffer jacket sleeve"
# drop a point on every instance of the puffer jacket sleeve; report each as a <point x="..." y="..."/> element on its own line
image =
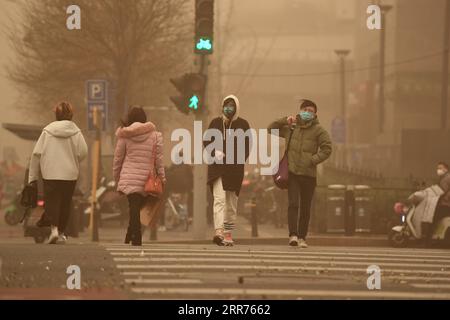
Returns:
<point x="35" y="159"/>
<point x="281" y="125"/>
<point x="325" y="148"/>
<point x="159" y="164"/>
<point x="119" y="156"/>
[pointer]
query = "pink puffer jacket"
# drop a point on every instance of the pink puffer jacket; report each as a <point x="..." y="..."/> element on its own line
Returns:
<point x="135" y="155"/>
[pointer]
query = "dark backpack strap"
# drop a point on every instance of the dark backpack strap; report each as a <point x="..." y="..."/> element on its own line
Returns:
<point x="290" y="137"/>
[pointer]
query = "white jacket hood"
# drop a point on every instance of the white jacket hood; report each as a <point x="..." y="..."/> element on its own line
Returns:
<point x="62" y="129"/>
<point x="236" y="100"/>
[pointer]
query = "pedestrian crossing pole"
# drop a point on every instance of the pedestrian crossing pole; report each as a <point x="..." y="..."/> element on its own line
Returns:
<point x="93" y="225"/>
<point x="200" y="177"/>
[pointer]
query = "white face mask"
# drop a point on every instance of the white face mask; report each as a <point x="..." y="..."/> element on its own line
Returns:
<point x="441" y="172"/>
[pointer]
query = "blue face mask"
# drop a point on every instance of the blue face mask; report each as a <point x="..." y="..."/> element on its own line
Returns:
<point x="307" y="116"/>
<point x="229" y="111"/>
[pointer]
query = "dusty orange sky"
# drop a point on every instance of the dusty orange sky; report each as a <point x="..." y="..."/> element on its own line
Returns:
<point x="8" y="92"/>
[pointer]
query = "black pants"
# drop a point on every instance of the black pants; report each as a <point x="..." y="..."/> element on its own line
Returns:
<point x="58" y="202"/>
<point x="440" y="213"/>
<point x="300" y="194"/>
<point x="428" y="228"/>
<point x="135" y="201"/>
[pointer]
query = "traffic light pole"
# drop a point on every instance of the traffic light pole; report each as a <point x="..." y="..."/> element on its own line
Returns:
<point x="200" y="177"/>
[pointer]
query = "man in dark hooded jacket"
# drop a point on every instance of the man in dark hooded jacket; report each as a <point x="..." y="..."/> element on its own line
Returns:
<point x="224" y="176"/>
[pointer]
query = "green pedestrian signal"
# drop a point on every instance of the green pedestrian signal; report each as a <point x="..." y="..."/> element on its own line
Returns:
<point x="193" y="102"/>
<point x="191" y="90"/>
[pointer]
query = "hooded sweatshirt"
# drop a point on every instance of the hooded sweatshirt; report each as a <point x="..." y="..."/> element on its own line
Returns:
<point x="231" y="174"/>
<point x="58" y="152"/>
<point x="139" y="152"/>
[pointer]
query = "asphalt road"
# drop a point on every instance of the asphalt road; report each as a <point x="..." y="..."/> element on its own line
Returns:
<point x="164" y="271"/>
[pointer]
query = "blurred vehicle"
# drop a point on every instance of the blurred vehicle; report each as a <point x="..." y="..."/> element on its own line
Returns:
<point x="13" y="211"/>
<point x="176" y="213"/>
<point x="259" y="193"/>
<point x="410" y="216"/>
<point x="111" y="205"/>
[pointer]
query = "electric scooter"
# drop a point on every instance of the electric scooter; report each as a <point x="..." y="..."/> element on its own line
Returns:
<point x="410" y="228"/>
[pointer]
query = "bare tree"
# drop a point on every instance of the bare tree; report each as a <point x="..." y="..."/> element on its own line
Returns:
<point x="135" y="44"/>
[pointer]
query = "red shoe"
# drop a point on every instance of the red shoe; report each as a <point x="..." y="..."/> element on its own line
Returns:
<point x="228" y="241"/>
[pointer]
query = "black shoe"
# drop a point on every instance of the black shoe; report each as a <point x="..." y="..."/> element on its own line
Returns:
<point x="136" y="239"/>
<point x="127" y="238"/>
<point x="218" y="240"/>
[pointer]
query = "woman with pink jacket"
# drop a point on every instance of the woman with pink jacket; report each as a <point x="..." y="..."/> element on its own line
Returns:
<point x="139" y="153"/>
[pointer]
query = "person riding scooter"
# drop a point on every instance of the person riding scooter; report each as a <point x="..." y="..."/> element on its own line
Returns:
<point x="433" y="203"/>
<point x="443" y="205"/>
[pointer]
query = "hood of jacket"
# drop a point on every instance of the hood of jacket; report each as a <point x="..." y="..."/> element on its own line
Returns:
<point x="136" y="132"/>
<point x="236" y="100"/>
<point x="62" y="129"/>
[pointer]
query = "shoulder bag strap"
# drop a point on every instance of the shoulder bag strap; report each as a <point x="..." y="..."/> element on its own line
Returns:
<point x="290" y="137"/>
<point x="155" y="172"/>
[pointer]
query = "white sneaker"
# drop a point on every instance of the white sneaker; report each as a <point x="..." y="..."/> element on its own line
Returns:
<point x="293" y="241"/>
<point x="303" y="243"/>
<point x="54" y="235"/>
<point x="62" y="239"/>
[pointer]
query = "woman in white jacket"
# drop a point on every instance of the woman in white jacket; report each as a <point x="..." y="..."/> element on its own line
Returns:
<point x="57" y="155"/>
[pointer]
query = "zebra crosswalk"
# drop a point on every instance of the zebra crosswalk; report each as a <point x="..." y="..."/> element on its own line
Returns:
<point x="268" y="272"/>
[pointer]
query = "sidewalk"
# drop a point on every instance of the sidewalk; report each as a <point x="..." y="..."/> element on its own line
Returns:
<point x="267" y="235"/>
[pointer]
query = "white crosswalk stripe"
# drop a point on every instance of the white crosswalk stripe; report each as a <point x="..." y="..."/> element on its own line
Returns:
<point x="195" y="271"/>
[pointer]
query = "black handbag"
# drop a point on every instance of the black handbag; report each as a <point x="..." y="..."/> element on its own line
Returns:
<point x="29" y="195"/>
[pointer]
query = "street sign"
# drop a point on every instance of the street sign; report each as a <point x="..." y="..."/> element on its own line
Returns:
<point x="102" y="107"/>
<point x="97" y="96"/>
<point x="338" y="130"/>
<point x="97" y="90"/>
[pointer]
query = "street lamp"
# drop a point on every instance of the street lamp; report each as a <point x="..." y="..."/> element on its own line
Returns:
<point x="384" y="10"/>
<point x="444" y="94"/>
<point x="342" y="54"/>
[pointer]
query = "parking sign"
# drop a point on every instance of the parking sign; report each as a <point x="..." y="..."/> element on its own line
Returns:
<point x="97" y="97"/>
<point x="96" y="90"/>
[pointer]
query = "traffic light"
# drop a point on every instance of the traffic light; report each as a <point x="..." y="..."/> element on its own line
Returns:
<point x="191" y="88"/>
<point x="204" y="26"/>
